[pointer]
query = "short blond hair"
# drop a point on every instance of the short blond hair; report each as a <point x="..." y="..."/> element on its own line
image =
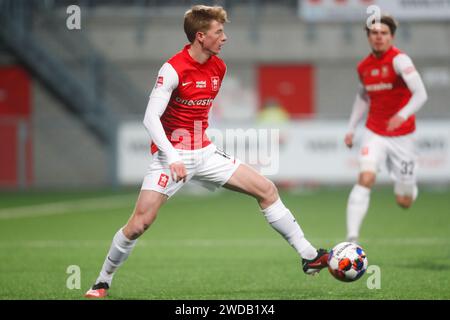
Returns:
<point x="199" y="18"/>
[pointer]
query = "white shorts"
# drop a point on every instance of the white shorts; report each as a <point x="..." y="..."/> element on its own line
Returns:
<point x="399" y="155"/>
<point x="209" y="167"/>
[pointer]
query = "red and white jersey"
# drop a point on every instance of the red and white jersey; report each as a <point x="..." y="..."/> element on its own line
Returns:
<point x="383" y="81"/>
<point x="192" y="88"/>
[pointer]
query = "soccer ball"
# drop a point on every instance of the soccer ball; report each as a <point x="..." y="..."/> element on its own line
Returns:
<point x="347" y="262"/>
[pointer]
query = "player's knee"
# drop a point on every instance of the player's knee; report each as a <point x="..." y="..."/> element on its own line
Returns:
<point x="270" y="192"/>
<point x="404" y="202"/>
<point x="145" y="224"/>
<point x="142" y="219"/>
<point x="136" y="228"/>
<point x="367" y="179"/>
<point x="132" y="230"/>
<point x="404" y="205"/>
<point x="136" y="231"/>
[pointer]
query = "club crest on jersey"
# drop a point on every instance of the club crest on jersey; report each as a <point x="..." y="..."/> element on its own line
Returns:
<point x="215" y="83"/>
<point x="159" y="82"/>
<point x="375" y="72"/>
<point x="384" y="71"/>
<point x="163" y="180"/>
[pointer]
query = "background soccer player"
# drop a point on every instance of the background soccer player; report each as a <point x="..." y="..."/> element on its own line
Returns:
<point x="392" y="91"/>
<point x="176" y="118"/>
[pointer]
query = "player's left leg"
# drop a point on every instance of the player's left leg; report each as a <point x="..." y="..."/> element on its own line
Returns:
<point x="222" y="170"/>
<point x="405" y="194"/>
<point x="247" y="180"/>
<point x="404" y="201"/>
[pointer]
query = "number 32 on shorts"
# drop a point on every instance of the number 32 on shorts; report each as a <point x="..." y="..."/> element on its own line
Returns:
<point x="407" y="167"/>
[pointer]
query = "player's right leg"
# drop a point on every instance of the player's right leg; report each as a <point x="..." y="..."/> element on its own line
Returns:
<point x="372" y="153"/>
<point x="125" y="239"/>
<point x="157" y="187"/>
<point x="358" y="204"/>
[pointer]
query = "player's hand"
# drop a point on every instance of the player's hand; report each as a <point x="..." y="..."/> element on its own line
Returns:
<point x="395" y="122"/>
<point x="178" y="171"/>
<point x="349" y="140"/>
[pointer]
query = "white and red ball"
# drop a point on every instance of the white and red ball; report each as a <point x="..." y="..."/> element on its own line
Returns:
<point x="347" y="262"/>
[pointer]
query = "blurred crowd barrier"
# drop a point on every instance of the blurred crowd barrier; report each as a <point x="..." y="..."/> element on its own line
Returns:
<point x="294" y="152"/>
<point x="301" y="152"/>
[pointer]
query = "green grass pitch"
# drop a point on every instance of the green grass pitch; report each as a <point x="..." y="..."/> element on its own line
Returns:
<point x="218" y="246"/>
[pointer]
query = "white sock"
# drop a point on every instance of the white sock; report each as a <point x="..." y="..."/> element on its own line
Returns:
<point x="282" y="220"/>
<point x="119" y="251"/>
<point x="357" y="206"/>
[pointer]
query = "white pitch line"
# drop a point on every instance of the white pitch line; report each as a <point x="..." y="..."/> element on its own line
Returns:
<point x="71" y="206"/>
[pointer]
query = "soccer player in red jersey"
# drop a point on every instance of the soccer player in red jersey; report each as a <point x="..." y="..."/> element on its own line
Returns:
<point x="392" y="91"/>
<point x="176" y="118"/>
